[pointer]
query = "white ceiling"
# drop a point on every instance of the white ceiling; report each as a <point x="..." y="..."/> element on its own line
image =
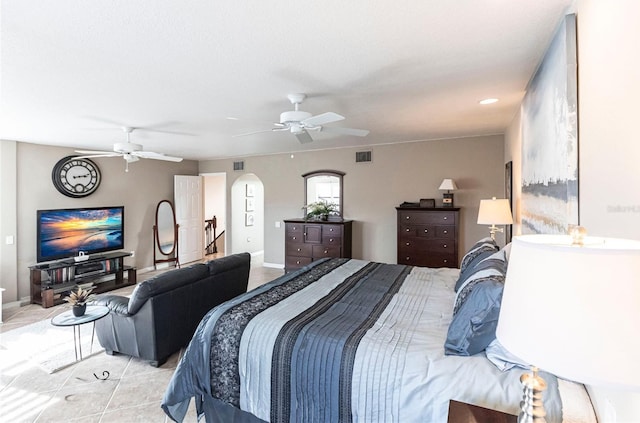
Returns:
<point x="75" y="71"/>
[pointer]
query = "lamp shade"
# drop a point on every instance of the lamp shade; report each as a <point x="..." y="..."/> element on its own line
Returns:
<point x="494" y="212"/>
<point x="574" y="310"/>
<point x="448" y="184"/>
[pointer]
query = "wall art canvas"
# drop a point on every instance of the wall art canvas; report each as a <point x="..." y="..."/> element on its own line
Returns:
<point x="508" y="194"/>
<point x="549" y="202"/>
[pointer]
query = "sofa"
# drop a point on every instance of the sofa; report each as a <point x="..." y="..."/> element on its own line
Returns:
<point x="163" y="312"/>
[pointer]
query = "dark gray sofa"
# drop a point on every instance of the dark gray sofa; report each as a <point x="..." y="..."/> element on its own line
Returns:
<point x="164" y="311"/>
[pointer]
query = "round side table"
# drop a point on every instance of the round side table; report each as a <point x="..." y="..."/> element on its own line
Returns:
<point x="67" y="318"/>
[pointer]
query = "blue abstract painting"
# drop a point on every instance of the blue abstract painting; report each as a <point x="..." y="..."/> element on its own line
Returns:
<point x="549" y="202"/>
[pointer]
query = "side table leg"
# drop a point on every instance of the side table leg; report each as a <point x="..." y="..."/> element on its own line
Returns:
<point x="76" y="342"/>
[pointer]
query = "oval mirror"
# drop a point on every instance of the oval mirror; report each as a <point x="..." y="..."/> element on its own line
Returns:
<point x="165" y="227"/>
<point x="324" y="185"/>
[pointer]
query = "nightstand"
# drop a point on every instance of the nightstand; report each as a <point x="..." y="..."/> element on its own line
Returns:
<point x="460" y="412"/>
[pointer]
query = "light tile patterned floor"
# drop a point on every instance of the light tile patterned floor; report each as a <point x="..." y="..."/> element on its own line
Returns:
<point x="132" y="393"/>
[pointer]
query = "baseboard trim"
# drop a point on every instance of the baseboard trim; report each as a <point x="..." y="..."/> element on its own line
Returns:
<point x="273" y="265"/>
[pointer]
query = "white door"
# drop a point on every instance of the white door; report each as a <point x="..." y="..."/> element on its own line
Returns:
<point x="188" y="201"/>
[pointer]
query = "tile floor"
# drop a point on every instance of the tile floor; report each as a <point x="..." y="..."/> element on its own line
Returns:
<point x="132" y="392"/>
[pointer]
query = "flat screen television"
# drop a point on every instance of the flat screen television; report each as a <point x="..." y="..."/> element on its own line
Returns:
<point x="63" y="233"/>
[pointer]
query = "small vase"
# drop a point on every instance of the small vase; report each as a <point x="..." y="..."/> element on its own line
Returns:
<point x="78" y="310"/>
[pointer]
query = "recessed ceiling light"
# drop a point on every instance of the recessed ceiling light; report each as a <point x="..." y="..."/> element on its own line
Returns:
<point x="488" y="101"/>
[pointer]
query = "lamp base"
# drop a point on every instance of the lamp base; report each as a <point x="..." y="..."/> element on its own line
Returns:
<point x="447" y="200"/>
<point x="531" y="406"/>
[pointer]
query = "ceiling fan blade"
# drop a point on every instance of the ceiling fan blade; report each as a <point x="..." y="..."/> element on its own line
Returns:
<point x="155" y="156"/>
<point x="94" y="152"/>
<point x="322" y="119"/>
<point x="345" y="131"/>
<point x="304" y="137"/>
<point x="97" y="156"/>
<point x="284" y="128"/>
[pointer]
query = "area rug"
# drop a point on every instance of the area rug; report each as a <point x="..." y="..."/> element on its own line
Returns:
<point x="50" y="347"/>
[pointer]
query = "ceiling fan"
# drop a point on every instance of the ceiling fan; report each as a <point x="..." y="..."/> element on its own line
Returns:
<point x="129" y="151"/>
<point x="299" y="123"/>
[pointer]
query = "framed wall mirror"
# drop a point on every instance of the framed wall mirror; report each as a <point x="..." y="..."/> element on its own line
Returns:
<point x="324" y="185"/>
<point x="165" y="234"/>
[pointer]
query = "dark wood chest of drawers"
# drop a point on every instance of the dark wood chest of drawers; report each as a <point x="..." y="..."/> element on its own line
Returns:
<point x="428" y="237"/>
<point x="306" y="241"/>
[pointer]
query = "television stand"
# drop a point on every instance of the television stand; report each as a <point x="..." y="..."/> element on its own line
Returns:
<point x="104" y="271"/>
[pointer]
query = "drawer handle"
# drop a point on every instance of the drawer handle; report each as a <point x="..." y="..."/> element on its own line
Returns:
<point x="444" y="261"/>
<point x="294" y="228"/>
<point x="445" y="245"/>
<point x="297" y="261"/>
<point x="407" y="217"/>
<point x="295" y="237"/>
<point x="407" y="230"/>
<point x="445" y="218"/>
<point x="304" y="233"/>
<point x="299" y="249"/>
<point x="407" y="259"/>
<point x="426" y="230"/>
<point x="408" y="243"/>
<point x="326" y="251"/>
<point x="446" y="232"/>
<point x="330" y="239"/>
<point x="331" y="230"/>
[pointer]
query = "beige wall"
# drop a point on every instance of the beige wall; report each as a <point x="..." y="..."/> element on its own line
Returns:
<point x="8" y="221"/>
<point x="399" y="172"/>
<point x="609" y="149"/>
<point x="139" y="190"/>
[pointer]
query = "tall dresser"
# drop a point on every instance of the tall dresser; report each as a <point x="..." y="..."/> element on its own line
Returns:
<point x="306" y="241"/>
<point x="428" y="237"/>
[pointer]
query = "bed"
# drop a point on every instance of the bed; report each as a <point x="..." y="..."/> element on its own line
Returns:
<point x="345" y="340"/>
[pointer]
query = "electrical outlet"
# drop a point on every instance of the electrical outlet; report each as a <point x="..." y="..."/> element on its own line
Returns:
<point x="277" y="224"/>
<point x="133" y="253"/>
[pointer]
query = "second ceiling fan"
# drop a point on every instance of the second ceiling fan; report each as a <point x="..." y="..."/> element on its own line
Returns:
<point x="299" y="122"/>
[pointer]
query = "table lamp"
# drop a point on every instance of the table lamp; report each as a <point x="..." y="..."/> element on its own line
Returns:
<point x="447" y="198"/>
<point x="494" y="212"/>
<point x="572" y="309"/>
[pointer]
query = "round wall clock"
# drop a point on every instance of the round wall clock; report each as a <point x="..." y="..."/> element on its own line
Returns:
<point x="76" y="177"/>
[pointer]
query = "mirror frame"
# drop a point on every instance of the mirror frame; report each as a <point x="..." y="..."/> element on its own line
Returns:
<point x="326" y="172"/>
<point x="156" y="237"/>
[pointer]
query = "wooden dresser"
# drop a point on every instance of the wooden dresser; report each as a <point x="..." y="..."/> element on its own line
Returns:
<point x="306" y="241"/>
<point x="428" y="237"/>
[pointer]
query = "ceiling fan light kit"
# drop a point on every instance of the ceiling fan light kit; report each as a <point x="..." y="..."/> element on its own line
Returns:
<point x="299" y="122"/>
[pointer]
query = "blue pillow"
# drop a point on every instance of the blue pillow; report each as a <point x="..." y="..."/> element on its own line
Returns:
<point x="470" y="267"/>
<point x="474" y="324"/>
<point x="485" y="244"/>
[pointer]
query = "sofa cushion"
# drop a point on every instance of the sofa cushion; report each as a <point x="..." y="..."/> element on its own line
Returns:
<point x="165" y="282"/>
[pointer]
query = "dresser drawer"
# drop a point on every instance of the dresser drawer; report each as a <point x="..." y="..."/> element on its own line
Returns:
<point x="420" y="217"/>
<point x="423" y="231"/>
<point x="428" y="260"/>
<point x="445" y="232"/>
<point x="292" y="262"/>
<point x="293" y="229"/>
<point x="321" y="251"/>
<point x="332" y="241"/>
<point x="298" y="249"/>
<point x="332" y="230"/>
<point x="426" y="246"/>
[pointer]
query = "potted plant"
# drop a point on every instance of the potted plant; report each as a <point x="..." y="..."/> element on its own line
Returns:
<point x="79" y="299"/>
<point x="321" y="210"/>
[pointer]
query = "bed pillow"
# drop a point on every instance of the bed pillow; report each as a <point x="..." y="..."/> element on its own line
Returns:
<point x="474" y="324"/>
<point x="470" y="267"/>
<point x="502" y="358"/>
<point x="471" y="257"/>
<point x="491" y="265"/>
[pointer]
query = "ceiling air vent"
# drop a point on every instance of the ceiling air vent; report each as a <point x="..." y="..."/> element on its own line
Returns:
<point x="238" y="165"/>
<point x="363" y="156"/>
